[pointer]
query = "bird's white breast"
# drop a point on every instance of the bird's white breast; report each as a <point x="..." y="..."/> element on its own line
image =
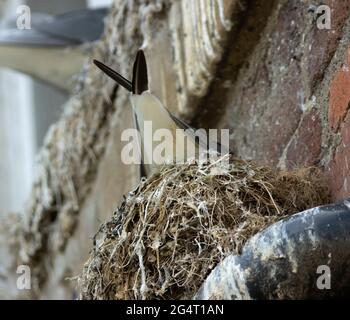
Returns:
<point x="148" y="108"/>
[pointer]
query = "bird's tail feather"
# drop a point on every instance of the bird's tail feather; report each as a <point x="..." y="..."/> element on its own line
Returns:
<point x="114" y="75"/>
<point x="140" y="77"/>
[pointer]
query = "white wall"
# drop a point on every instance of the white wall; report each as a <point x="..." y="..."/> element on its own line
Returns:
<point x="17" y="143"/>
<point x="27" y="109"/>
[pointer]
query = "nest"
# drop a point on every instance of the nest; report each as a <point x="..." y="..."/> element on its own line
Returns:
<point x="173" y="229"/>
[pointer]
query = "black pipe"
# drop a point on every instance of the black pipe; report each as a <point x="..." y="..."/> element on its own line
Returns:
<point x="282" y="261"/>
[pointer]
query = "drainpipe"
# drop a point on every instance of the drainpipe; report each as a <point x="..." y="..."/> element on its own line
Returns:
<point x="305" y="256"/>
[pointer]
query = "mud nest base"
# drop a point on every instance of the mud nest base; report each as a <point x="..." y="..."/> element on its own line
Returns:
<point x="173" y="229"/>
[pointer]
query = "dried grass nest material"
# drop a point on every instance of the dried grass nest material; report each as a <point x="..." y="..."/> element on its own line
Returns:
<point x="174" y="228"/>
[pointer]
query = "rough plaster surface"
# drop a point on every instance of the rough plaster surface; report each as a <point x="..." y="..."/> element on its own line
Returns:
<point x="81" y="177"/>
<point x="262" y="69"/>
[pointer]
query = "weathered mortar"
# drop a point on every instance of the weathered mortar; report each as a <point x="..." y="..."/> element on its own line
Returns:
<point x="275" y="99"/>
<point x="270" y="87"/>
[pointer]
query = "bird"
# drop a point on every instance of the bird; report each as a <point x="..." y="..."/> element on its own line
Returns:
<point x="186" y="142"/>
<point x="53" y="50"/>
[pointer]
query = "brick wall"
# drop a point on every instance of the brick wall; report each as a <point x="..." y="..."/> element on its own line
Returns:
<point x="276" y="80"/>
<point x="287" y="102"/>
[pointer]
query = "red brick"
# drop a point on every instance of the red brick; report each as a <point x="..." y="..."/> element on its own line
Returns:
<point x="267" y="106"/>
<point x="339" y="170"/>
<point x="321" y="44"/>
<point x="287" y="34"/>
<point x="281" y="119"/>
<point x="339" y="95"/>
<point x="305" y="147"/>
<point x="266" y="120"/>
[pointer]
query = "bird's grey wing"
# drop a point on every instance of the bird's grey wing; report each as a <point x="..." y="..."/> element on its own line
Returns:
<point x="143" y="172"/>
<point x="180" y="123"/>
<point x="201" y="138"/>
<point x="29" y="37"/>
<point x="78" y="26"/>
